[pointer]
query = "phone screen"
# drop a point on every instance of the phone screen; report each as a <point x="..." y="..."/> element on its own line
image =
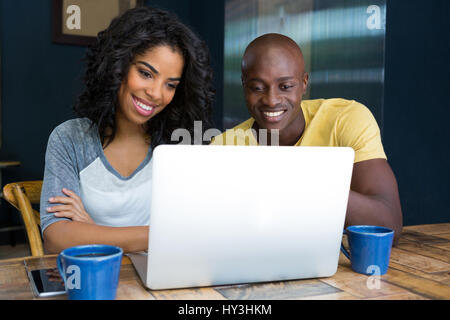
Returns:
<point x="46" y="282"/>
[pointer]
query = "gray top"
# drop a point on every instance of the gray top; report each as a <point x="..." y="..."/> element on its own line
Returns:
<point x="75" y="160"/>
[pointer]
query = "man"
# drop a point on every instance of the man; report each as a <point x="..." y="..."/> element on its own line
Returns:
<point x="274" y="81"/>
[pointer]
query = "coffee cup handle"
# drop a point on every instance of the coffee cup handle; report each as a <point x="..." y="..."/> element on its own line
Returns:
<point x="344" y="251"/>
<point x="60" y="269"/>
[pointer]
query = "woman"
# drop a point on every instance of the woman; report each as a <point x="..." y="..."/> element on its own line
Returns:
<point x="146" y="76"/>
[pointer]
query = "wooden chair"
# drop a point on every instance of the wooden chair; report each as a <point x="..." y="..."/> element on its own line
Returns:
<point x="22" y="195"/>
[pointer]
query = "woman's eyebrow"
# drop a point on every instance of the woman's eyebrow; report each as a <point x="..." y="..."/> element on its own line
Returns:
<point x="148" y="66"/>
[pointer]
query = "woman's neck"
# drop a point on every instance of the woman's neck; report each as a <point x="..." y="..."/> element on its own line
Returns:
<point x="127" y="131"/>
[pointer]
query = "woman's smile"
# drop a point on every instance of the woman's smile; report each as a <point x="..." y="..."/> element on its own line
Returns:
<point x="144" y="107"/>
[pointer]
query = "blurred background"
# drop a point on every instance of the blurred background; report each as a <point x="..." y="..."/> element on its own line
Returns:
<point x="343" y="44"/>
<point x="390" y="55"/>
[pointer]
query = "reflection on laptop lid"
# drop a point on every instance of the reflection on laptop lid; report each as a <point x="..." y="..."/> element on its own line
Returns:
<point x="231" y="214"/>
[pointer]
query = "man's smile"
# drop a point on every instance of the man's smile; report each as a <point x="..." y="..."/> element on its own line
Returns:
<point x="273" y="116"/>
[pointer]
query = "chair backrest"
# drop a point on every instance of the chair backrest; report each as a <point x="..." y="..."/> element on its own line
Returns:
<point x="22" y="195"/>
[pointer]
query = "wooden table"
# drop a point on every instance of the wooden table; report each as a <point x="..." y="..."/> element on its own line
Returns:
<point x="419" y="269"/>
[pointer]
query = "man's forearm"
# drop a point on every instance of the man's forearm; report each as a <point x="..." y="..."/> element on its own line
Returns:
<point x="371" y="210"/>
<point x="65" y="234"/>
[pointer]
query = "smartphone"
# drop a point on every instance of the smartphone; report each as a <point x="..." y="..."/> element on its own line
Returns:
<point x="46" y="282"/>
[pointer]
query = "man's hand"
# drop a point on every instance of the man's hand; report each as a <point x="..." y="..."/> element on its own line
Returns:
<point x="71" y="207"/>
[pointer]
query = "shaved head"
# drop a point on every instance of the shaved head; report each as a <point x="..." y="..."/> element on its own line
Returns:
<point x="270" y="45"/>
<point x="274" y="81"/>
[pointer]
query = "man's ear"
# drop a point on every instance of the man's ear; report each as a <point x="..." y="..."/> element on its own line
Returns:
<point x="305" y="81"/>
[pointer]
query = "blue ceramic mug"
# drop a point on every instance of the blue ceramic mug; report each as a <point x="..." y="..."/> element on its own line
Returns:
<point x="90" y="272"/>
<point x="369" y="249"/>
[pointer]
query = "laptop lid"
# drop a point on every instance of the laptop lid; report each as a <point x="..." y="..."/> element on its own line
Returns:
<point x="235" y="214"/>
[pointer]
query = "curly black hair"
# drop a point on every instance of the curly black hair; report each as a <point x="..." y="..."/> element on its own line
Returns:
<point x="108" y="62"/>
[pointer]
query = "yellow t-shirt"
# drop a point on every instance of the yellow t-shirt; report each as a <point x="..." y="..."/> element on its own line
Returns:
<point x="328" y="122"/>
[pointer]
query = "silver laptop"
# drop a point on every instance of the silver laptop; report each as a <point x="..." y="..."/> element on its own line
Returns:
<point x="229" y="214"/>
